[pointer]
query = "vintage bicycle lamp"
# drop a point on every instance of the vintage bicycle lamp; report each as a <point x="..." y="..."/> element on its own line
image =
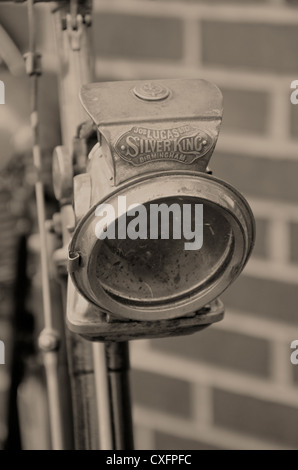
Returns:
<point x="149" y="168"/>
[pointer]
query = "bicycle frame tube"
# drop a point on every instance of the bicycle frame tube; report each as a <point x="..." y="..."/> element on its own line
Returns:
<point x="88" y="368"/>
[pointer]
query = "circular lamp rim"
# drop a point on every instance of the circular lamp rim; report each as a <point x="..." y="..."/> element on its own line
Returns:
<point x="151" y="188"/>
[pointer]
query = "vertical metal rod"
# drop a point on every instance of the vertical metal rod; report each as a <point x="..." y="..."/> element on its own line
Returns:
<point x="51" y="367"/>
<point x="102" y="397"/>
<point x="46" y="294"/>
<point x="118" y="370"/>
<point x="74" y="70"/>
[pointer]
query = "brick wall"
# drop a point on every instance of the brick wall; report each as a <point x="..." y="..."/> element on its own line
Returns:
<point x="231" y="386"/>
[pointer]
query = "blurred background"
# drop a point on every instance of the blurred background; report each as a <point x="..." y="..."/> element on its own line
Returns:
<point x="231" y="386"/>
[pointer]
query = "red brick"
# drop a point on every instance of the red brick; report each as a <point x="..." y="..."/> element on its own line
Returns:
<point x="259" y="177"/>
<point x="294" y="242"/>
<point x="165" y="441"/>
<point x="265" y="419"/>
<point x="264" y="47"/>
<point x="137" y="37"/>
<point x="223" y="349"/>
<point x="245" y="111"/>
<point x="261" y="247"/>
<point x="161" y="393"/>
<point x="294" y="120"/>
<point x="294" y="366"/>
<point x="265" y="298"/>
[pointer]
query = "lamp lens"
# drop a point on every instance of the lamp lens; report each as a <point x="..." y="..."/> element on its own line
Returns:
<point x="164" y="266"/>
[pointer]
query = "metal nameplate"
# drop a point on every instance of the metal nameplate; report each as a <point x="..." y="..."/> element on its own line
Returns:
<point x="184" y="144"/>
